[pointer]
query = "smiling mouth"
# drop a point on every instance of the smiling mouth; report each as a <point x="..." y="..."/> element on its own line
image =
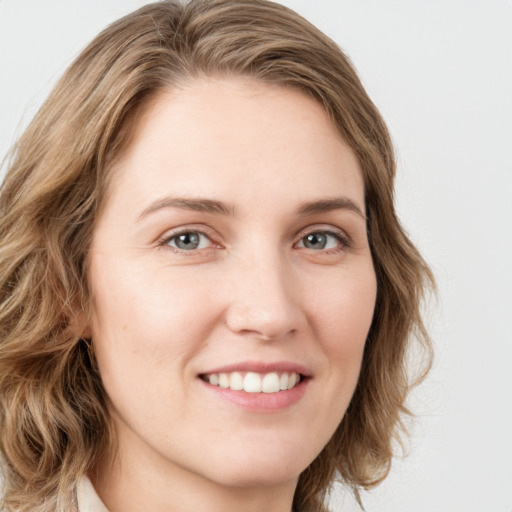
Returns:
<point x="252" y="382"/>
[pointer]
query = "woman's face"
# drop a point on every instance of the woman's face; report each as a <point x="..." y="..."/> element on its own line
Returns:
<point x="231" y="253"/>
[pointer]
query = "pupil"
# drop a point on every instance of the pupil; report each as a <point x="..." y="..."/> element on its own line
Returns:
<point x="316" y="241"/>
<point x="188" y="241"/>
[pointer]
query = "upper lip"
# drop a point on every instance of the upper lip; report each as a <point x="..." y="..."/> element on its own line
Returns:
<point x="261" y="367"/>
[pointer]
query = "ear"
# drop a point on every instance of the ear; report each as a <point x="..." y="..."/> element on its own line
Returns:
<point x="80" y="323"/>
<point x="86" y="332"/>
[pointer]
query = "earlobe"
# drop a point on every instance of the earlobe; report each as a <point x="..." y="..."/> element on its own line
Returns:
<point x="86" y="333"/>
<point x="80" y="325"/>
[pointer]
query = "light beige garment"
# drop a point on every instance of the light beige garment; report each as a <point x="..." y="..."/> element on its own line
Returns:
<point x="88" y="499"/>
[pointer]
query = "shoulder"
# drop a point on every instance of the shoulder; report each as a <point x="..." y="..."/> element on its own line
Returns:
<point x="88" y="499"/>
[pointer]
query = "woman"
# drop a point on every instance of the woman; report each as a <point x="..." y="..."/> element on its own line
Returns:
<point x="206" y="296"/>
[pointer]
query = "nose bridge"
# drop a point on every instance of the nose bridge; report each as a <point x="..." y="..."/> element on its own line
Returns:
<point x="264" y="301"/>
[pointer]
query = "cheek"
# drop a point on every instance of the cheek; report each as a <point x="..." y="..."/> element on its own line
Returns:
<point x="134" y="299"/>
<point x="144" y="319"/>
<point x="344" y="316"/>
<point x="341" y="314"/>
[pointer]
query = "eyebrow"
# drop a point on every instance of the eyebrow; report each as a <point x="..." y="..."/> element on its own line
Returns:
<point x="220" y="208"/>
<point x="194" y="204"/>
<point x="330" y="204"/>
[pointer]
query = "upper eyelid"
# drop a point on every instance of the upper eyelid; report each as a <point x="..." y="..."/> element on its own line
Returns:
<point x="174" y="232"/>
<point x="323" y="228"/>
<point x="343" y="242"/>
<point x="187" y="231"/>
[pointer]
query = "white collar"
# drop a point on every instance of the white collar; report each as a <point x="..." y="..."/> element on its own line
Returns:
<point x="88" y="499"/>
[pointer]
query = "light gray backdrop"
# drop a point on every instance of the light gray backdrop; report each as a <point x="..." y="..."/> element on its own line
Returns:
<point x="441" y="73"/>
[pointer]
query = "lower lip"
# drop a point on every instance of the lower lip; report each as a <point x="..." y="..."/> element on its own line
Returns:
<point x="261" y="402"/>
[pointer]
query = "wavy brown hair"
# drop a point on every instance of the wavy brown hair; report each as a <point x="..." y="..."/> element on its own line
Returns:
<point x="53" y="417"/>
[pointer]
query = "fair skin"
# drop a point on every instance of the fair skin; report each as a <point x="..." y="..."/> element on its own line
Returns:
<point x="233" y="240"/>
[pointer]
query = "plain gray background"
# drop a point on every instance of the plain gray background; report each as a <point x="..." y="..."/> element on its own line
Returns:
<point x="441" y="73"/>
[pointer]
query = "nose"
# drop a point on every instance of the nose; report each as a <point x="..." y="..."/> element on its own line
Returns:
<point x="264" y="300"/>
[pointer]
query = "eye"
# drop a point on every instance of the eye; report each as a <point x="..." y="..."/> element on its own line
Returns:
<point x="189" y="241"/>
<point x="322" y="241"/>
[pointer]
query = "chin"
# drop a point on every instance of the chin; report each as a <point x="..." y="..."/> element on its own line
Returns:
<point x="258" y="477"/>
<point x="262" y="467"/>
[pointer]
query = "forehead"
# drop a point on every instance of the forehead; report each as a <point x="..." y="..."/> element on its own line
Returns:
<point x="230" y="137"/>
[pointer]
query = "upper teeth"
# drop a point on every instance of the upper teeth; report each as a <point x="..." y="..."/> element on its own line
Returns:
<point x="253" y="382"/>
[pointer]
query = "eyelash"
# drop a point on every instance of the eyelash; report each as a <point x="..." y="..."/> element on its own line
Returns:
<point x="165" y="241"/>
<point x="342" y="239"/>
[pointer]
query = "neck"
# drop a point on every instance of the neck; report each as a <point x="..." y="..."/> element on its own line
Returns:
<point x="131" y="486"/>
